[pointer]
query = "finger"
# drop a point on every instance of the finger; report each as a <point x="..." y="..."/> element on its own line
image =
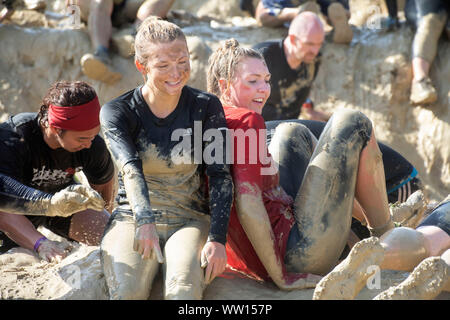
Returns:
<point x="141" y="247"/>
<point x="208" y="273"/>
<point x="217" y="270"/>
<point x="204" y="260"/>
<point x="157" y="251"/>
<point x="136" y="245"/>
<point x="147" y="251"/>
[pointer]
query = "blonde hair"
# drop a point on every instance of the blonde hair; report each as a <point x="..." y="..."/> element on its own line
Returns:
<point x="223" y="63"/>
<point x="154" y="29"/>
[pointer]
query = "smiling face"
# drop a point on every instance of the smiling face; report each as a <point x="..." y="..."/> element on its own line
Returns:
<point x="74" y="141"/>
<point x="250" y="87"/>
<point x="167" y="67"/>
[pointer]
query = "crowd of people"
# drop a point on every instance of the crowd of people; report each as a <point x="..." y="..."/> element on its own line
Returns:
<point x="216" y="179"/>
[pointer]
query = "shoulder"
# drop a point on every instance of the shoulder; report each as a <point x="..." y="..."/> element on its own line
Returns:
<point x="121" y="101"/>
<point x="200" y="95"/>
<point x="120" y="106"/>
<point x="241" y="118"/>
<point x="269" y="46"/>
<point x="22" y="124"/>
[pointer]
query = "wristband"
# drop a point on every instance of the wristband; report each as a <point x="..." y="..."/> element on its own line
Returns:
<point x="38" y="243"/>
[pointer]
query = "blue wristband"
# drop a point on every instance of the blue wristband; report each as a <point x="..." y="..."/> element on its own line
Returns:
<point x="38" y="243"/>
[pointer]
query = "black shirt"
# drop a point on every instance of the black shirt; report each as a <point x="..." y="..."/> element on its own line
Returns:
<point x="289" y="88"/>
<point x="154" y="175"/>
<point x="27" y="158"/>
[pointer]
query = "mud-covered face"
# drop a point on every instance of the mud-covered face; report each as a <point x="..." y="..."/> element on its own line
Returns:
<point x="168" y="67"/>
<point x="250" y="87"/>
<point x="307" y="46"/>
<point x="74" y="141"/>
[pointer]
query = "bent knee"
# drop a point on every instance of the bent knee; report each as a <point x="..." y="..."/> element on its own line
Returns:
<point x="182" y="287"/>
<point x="349" y="122"/>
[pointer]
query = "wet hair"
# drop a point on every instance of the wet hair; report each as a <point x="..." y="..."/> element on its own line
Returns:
<point x="66" y="94"/>
<point x="224" y="61"/>
<point x="154" y="29"/>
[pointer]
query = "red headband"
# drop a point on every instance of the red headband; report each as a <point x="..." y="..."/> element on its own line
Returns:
<point x="78" y="118"/>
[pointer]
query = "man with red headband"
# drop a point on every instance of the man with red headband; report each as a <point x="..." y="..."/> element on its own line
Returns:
<point x="40" y="153"/>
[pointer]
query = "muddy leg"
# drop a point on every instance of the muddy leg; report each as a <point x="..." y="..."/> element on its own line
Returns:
<point x="184" y="277"/>
<point x="127" y="275"/>
<point x="347" y="279"/>
<point x="426" y="282"/>
<point x="324" y="202"/>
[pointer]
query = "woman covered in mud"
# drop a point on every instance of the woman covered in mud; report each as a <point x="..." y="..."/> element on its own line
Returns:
<point x="168" y="196"/>
<point x="293" y="207"/>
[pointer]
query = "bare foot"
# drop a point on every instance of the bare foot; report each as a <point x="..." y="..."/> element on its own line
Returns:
<point x="348" y="278"/>
<point x="426" y="282"/>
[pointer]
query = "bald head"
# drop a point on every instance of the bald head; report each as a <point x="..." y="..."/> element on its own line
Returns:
<point x="306" y="24"/>
<point x="306" y="35"/>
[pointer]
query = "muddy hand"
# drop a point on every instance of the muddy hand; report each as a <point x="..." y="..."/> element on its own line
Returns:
<point x="146" y="242"/>
<point x="214" y="259"/>
<point x="50" y="250"/>
<point x="73" y="199"/>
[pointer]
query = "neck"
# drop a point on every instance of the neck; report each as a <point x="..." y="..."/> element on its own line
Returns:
<point x="49" y="138"/>
<point x="292" y="60"/>
<point x="160" y="104"/>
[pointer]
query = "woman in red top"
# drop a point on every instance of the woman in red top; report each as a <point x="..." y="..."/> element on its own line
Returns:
<point x="273" y="234"/>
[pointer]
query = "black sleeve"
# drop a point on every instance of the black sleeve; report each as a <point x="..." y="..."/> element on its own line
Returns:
<point x="392" y="8"/>
<point x="14" y="155"/>
<point x="118" y="127"/>
<point x="18" y="198"/>
<point x="98" y="165"/>
<point x="218" y="172"/>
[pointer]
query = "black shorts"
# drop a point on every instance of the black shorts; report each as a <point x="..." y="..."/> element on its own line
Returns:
<point x="58" y="225"/>
<point x="439" y="217"/>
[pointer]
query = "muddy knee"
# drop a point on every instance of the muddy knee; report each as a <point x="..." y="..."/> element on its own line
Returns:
<point x="181" y="286"/>
<point x="349" y="124"/>
<point x="292" y="137"/>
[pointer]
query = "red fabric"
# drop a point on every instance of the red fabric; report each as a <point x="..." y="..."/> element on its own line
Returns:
<point x="240" y="253"/>
<point x="78" y="118"/>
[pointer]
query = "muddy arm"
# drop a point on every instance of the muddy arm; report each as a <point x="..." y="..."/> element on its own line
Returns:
<point x="254" y="220"/>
